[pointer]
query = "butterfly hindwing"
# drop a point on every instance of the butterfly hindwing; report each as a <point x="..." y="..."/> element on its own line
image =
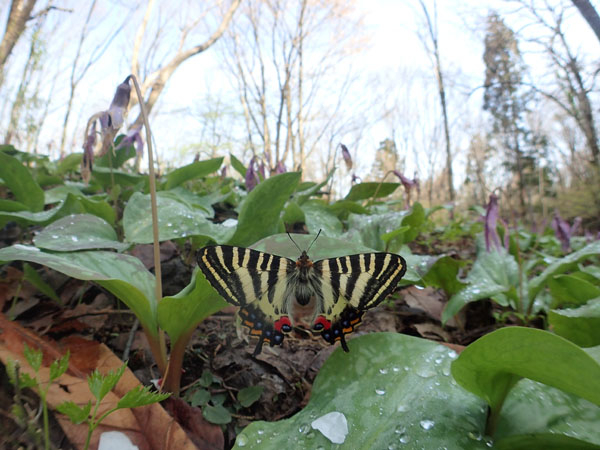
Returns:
<point x="255" y="281"/>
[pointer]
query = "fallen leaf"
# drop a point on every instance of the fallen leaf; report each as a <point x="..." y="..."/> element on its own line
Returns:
<point x="204" y="434"/>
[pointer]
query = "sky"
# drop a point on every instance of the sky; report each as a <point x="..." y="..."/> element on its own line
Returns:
<point x="394" y="46"/>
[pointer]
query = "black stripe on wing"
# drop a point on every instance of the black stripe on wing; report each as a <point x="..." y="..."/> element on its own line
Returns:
<point x="236" y="273"/>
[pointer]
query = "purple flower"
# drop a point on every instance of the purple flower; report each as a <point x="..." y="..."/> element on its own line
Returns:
<point x="408" y="185"/>
<point x="491" y="217"/>
<point x="347" y="157"/>
<point x="133" y="137"/>
<point x="251" y="178"/>
<point x="280" y="168"/>
<point x="119" y="104"/>
<point x="564" y="231"/>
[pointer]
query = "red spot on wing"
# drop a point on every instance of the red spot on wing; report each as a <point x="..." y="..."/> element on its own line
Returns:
<point x="323" y="321"/>
<point x="281" y="322"/>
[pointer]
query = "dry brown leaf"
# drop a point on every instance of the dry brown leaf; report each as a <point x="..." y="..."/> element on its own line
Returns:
<point x="149" y="427"/>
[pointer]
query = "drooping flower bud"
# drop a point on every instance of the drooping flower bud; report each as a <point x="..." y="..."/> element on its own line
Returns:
<point x="490" y="224"/>
<point x="347" y="157"/>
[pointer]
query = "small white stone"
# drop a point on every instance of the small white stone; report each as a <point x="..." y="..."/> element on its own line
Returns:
<point x="333" y="425"/>
<point x="115" y="440"/>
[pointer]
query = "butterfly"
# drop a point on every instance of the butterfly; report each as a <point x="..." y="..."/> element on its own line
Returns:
<point x="269" y="289"/>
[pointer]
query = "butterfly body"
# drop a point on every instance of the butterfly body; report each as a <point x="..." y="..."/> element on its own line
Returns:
<point x="271" y="290"/>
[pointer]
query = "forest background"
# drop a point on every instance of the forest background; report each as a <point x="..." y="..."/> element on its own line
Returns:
<point x="464" y="98"/>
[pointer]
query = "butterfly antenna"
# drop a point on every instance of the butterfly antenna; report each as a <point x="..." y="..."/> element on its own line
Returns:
<point x="311" y="244"/>
<point x="292" y="239"/>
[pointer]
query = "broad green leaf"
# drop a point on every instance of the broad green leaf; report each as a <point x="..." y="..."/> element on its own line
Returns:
<point x="59" y="193"/>
<point x="569" y="289"/>
<point x="491" y="366"/>
<point x="580" y="325"/>
<point x="237" y="165"/>
<point x="562" y="265"/>
<point x="324" y="246"/>
<point x="71" y="205"/>
<point x="493" y="273"/>
<point x="123" y="275"/>
<point x="33" y="277"/>
<point x="180" y="314"/>
<point x="116" y="158"/>
<point x="318" y="217"/>
<point x="19" y="180"/>
<point x="306" y="190"/>
<point x="293" y="214"/>
<point x="444" y="274"/>
<point x="348" y="206"/>
<point x="260" y="211"/>
<point x="536" y="416"/>
<point x="367" y="230"/>
<point x="12" y="206"/>
<point x="176" y="219"/>
<point x="75" y="413"/>
<point x="249" y="395"/>
<point x="141" y="396"/>
<point x="69" y="163"/>
<point x="415" y="220"/>
<point x="216" y="414"/>
<point x="78" y="232"/>
<point x="363" y="191"/>
<point x="394" y="391"/>
<point x="197" y="169"/>
<point x="398" y="233"/>
<point x="104" y="175"/>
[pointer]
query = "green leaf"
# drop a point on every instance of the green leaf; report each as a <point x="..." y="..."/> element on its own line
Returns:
<point x="176" y="219"/>
<point x="348" y="206"/>
<point x="59" y="366"/>
<point x="35" y="279"/>
<point x="100" y="385"/>
<point x="415" y="220"/>
<point x="25" y="381"/>
<point x="538" y="416"/>
<point x="318" y="217"/>
<point x="580" y="325"/>
<point x="33" y="357"/>
<point x="180" y="314"/>
<point x="394" y="391"/>
<point x="199" y="397"/>
<point x="78" y="232"/>
<point x="59" y="193"/>
<point x="260" y="211"/>
<point x="363" y="191"/>
<point x="293" y="214"/>
<point x="19" y="180"/>
<point x="197" y="169"/>
<point x="216" y="414"/>
<point x="562" y="265"/>
<point x="71" y="205"/>
<point x="237" y="165"/>
<point x="570" y="289"/>
<point x="123" y="275"/>
<point x="141" y="396"/>
<point x="444" y="274"/>
<point x="492" y="273"/>
<point x="69" y="163"/>
<point x="249" y="395"/>
<point x="491" y="366"/>
<point x="104" y="176"/>
<point x="12" y="206"/>
<point x="206" y="379"/>
<point x="76" y="414"/>
<point x="117" y="157"/>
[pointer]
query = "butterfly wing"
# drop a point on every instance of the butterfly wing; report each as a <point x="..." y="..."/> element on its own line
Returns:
<point x="254" y="281"/>
<point x="349" y="286"/>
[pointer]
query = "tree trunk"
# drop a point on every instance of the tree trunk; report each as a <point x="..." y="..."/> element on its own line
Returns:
<point x="588" y="12"/>
<point x="20" y="11"/>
